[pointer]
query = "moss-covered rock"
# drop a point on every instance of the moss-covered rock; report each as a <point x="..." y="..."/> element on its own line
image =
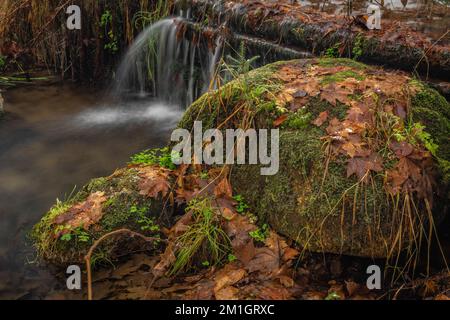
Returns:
<point x="364" y="163"/>
<point x="61" y="239"/>
<point x="363" y="153"/>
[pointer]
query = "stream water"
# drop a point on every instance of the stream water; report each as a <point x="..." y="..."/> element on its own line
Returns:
<point x="55" y="138"/>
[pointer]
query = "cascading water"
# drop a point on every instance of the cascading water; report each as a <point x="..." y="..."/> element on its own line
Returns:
<point x="175" y="71"/>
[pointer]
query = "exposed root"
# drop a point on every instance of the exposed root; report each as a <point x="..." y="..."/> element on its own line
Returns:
<point x="99" y="241"/>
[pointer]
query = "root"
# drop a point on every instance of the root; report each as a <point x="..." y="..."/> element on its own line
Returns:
<point x="87" y="258"/>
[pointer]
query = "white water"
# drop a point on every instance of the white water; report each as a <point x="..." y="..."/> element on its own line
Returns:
<point x="150" y="112"/>
<point x="175" y="71"/>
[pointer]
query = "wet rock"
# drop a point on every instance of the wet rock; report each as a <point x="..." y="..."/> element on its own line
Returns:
<point x="65" y="233"/>
<point x="343" y="184"/>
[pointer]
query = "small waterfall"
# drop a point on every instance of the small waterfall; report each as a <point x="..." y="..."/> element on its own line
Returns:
<point x="158" y="63"/>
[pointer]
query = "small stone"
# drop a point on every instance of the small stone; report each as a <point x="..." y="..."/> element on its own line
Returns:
<point x="300" y="94"/>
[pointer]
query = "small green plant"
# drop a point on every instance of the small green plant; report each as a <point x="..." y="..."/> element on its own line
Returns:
<point x="79" y="234"/>
<point x="145" y="157"/>
<point x="333" y="296"/>
<point x="106" y="18"/>
<point x="166" y="159"/>
<point x="206" y="264"/>
<point x="163" y="157"/>
<point x="241" y="206"/>
<point x="101" y="257"/>
<point x="231" y="258"/>
<point x="298" y="120"/>
<point x="106" y="22"/>
<point x="205" y="239"/>
<point x="415" y="133"/>
<point x="66" y="237"/>
<point x="204" y="175"/>
<point x="146" y="223"/>
<point x="333" y="52"/>
<point x="240" y="64"/>
<point x="424" y="137"/>
<point x="261" y="234"/>
<point x="358" y="47"/>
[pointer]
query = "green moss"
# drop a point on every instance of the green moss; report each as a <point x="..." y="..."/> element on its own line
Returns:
<point x="433" y="111"/>
<point x="330" y="62"/>
<point x="298" y="120"/>
<point x="43" y="233"/>
<point x="342" y="76"/>
<point x="254" y="92"/>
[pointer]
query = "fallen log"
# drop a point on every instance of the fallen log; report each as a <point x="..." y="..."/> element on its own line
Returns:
<point x="396" y="46"/>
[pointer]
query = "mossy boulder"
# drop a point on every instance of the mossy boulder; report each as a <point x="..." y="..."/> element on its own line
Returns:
<point x="67" y="231"/>
<point x="363" y="153"/>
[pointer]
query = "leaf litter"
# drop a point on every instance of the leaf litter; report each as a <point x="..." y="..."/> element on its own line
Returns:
<point x="258" y="270"/>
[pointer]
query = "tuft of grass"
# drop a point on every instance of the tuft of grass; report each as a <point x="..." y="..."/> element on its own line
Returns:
<point x="43" y="232"/>
<point x="205" y="239"/>
<point x="159" y="10"/>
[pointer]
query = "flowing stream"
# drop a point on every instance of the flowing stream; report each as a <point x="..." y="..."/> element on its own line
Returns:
<point x="174" y="70"/>
<point x="56" y="138"/>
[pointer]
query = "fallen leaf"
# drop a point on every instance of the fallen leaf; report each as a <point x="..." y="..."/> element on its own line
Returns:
<point x="278" y="122"/>
<point x="228" y="293"/>
<point x="352" y="287"/>
<point x="228" y="276"/>
<point x="323" y="116"/>
<point x="154" y="180"/>
<point x="223" y="188"/>
<point x="83" y="214"/>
